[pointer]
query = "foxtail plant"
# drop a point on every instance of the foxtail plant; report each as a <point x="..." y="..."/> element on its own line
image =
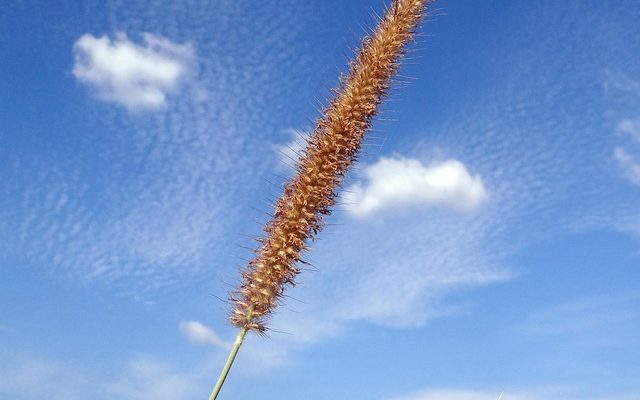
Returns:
<point x="331" y="149"/>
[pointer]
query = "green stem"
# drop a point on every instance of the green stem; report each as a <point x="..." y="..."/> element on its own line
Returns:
<point x="227" y="366"/>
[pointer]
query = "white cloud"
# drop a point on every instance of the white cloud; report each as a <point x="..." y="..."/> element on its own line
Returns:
<point x="197" y="332"/>
<point x="399" y="183"/>
<point x="629" y="164"/>
<point x="123" y="72"/>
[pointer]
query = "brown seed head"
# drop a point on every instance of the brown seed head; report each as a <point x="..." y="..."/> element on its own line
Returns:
<point x="333" y="146"/>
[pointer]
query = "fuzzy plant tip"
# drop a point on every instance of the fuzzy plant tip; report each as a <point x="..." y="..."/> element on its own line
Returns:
<point x="333" y="146"/>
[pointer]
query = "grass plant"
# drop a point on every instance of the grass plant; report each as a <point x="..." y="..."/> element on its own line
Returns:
<point x="331" y="149"/>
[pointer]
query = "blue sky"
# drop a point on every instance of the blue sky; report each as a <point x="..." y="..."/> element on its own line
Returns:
<point x="487" y="243"/>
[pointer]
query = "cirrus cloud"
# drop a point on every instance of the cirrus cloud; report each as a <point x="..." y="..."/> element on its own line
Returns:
<point x="629" y="164"/>
<point x="630" y="127"/>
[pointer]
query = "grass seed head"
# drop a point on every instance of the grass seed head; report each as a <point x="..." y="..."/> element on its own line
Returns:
<point x="332" y="148"/>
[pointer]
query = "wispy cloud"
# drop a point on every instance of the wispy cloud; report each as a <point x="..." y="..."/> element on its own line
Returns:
<point x="136" y="76"/>
<point x="588" y="322"/>
<point x="161" y="203"/>
<point x="630" y="127"/>
<point x="141" y="378"/>
<point x="36" y="378"/>
<point x="290" y="152"/>
<point x="148" y="379"/>
<point x="400" y="183"/>
<point x="197" y="332"/>
<point x="628" y="163"/>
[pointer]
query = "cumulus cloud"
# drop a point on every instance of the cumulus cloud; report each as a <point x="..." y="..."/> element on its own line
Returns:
<point x="132" y="75"/>
<point x="197" y="332"/>
<point x="399" y="183"/>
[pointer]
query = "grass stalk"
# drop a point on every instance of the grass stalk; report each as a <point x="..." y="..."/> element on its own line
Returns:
<point x="227" y="365"/>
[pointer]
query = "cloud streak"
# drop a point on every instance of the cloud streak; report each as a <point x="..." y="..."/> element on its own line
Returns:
<point x="587" y="323"/>
<point x="36" y="378"/>
<point x="148" y="379"/>
<point x="628" y="163"/>
<point x="629" y="127"/>
<point x="141" y="378"/>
